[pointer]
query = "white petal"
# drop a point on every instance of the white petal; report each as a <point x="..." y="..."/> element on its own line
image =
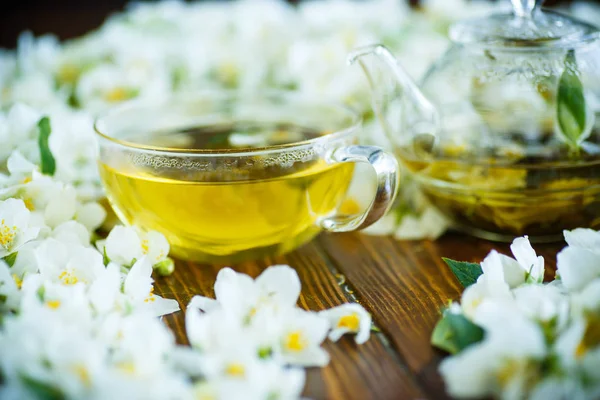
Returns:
<point x="470" y="373"/>
<point x="205" y="304"/>
<point x="584" y="238"/>
<point x="158" y="246"/>
<point x="91" y="215"/>
<point x="123" y="245"/>
<point x="139" y="280"/>
<point x="103" y="291"/>
<point x="496" y="266"/>
<point x="61" y="207"/>
<point x="234" y="291"/>
<point x="160" y="306"/>
<point x="311" y="357"/>
<point x="72" y="232"/>
<point x="526" y="256"/>
<point x="281" y="283"/>
<point x="19" y="165"/>
<point x="577" y="267"/>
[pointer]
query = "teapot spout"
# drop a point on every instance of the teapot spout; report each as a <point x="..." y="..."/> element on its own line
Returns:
<point x="398" y="104"/>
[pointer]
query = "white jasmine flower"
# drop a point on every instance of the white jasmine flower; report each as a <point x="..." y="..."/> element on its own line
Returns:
<point x="431" y="224"/>
<point x="15" y="229"/>
<point x="278" y="286"/>
<point x="52" y="202"/>
<point x="499" y="364"/>
<point x="68" y="263"/>
<point x="486" y="288"/>
<point x="528" y="266"/>
<point x="348" y="318"/>
<point x="140" y="292"/>
<point x="543" y="303"/>
<point x="107" y="85"/>
<point x="301" y="338"/>
<point x="41" y="348"/>
<point x="69" y="303"/>
<point x="125" y="244"/>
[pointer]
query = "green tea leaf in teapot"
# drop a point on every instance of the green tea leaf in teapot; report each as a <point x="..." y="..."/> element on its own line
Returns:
<point x="571" y="109"/>
<point x="48" y="164"/>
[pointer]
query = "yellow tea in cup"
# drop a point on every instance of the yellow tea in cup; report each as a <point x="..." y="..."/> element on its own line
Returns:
<point x="232" y="216"/>
<point x="223" y="188"/>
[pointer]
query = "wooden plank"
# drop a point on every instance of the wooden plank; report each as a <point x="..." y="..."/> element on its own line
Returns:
<point x="404" y="284"/>
<point x="370" y="371"/>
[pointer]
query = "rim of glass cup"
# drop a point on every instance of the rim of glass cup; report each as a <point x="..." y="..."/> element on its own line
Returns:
<point x="355" y="121"/>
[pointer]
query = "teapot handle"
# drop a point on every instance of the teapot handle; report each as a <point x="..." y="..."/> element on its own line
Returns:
<point x="524" y="8"/>
<point x="386" y="173"/>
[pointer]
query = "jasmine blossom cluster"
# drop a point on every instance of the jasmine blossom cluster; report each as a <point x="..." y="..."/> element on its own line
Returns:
<point x="514" y="337"/>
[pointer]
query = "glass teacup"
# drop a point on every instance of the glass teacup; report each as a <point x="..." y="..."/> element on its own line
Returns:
<point x="228" y="177"/>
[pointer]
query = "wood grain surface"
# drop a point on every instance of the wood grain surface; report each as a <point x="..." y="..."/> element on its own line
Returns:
<point x="403" y="284"/>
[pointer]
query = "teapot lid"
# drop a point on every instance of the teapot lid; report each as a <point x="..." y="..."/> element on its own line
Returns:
<point x="526" y="26"/>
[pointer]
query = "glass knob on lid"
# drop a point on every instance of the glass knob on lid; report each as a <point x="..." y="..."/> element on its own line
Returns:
<point x="526" y="26"/>
<point x="524" y="8"/>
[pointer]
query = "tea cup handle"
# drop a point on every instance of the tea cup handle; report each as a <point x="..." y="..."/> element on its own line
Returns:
<point x="387" y="172"/>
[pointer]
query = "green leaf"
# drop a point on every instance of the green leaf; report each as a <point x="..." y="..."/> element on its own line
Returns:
<point x="42" y="390"/>
<point x="466" y="272"/>
<point x="11" y="258"/>
<point x="47" y="159"/>
<point x="571" y="109"/>
<point x="454" y="333"/>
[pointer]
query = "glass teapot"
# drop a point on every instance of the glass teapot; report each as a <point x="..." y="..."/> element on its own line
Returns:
<point x="503" y="133"/>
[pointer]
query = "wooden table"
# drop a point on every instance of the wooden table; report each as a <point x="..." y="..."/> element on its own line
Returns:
<point x="403" y="284"/>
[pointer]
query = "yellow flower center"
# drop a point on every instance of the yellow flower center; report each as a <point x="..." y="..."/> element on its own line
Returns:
<point x="116" y="95"/>
<point x="295" y="341"/>
<point x="26" y="180"/>
<point x="145" y="246"/>
<point x="151" y="296"/>
<point x="591" y="336"/>
<point x="68" y="277"/>
<point x="351" y="322"/>
<point x="127" y="367"/>
<point x="236" y="370"/>
<point x="18" y="281"/>
<point x="29" y="204"/>
<point x="68" y="73"/>
<point x="7" y="235"/>
<point x="83" y="374"/>
<point x="54" y="304"/>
